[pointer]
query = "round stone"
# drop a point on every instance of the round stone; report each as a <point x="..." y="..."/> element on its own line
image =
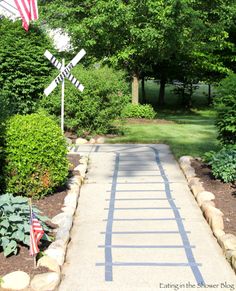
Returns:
<point x="15" y="281"/>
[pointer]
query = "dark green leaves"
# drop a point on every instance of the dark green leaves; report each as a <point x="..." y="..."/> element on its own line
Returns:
<point x="23" y="67"/>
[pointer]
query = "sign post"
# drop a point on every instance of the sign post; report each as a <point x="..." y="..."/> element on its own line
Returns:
<point x="62" y="97"/>
<point x="64" y="73"/>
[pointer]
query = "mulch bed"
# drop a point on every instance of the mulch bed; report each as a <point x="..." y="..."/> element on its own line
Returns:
<point x="225" y="194"/>
<point x="50" y="206"/>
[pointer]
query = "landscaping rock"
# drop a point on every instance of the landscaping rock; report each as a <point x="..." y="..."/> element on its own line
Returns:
<point x="229" y="255"/>
<point x="15" y="281"/>
<point x="194" y="181"/>
<point x="210" y="211"/>
<point x="189" y="173"/>
<point x="74" y="188"/>
<point x="218" y="233"/>
<point x="84" y="160"/>
<point x="228" y="242"/>
<point x="214" y="217"/>
<point x="76" y="180"/>
<point x="216" y="222"/>
<point x="82" y="169"/>
<point x="45" y="282"/>
<point x="71" y="198"/>
<point x="80" y="141"/>
<point x="207" y="204"/>
<point x="204" y="196"/>
<point x="57" y="253"/>
<point x="57" y="244"/>
<point x="63" y="234"/>
<point x="92" y="141"/>
<point x="233" y="260"/>
<point x="69" y="210"/>
<point x="185" y="160"/>
<point x="68" y="141"/>
<point x="196" y="186"/>
<point x="60" y="218"/>
<point x="49" y="263"/>
<point x="100" y="140"/>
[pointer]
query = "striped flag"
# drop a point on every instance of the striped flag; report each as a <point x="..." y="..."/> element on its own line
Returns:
<point x="28" y="10"/>
<point x="36" y="233"/>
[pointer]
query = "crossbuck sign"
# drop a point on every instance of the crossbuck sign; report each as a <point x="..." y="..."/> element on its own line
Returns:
<point x="65" y="73"/>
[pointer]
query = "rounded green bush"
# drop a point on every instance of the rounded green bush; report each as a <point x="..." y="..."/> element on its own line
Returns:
<point x="94" y="110"/>
<point x="225" y="104"/>
<point x="138" y="111"/>
<point x="35" y="152"/>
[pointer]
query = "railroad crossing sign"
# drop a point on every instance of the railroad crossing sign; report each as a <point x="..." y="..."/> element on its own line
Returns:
<point x="65" y="73"/>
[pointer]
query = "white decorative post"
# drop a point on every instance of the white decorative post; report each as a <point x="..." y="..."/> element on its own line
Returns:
<point x="62" y="97"/>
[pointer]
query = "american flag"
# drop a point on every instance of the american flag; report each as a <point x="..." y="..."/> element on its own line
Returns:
<point x="36" y="233"/>
<point x="28" y="10"/>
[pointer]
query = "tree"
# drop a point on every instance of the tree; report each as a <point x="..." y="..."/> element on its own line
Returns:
<point x="169" y="38"/>
<point x="23" y="68"/>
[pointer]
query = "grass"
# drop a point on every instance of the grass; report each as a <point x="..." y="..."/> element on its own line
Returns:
<point x="191" y="133"/>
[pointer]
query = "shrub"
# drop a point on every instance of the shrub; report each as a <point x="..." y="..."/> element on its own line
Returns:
<point x="24" y="70"/>
<point x="225" y="104"/>
<point x="95" y="109"/>
<point x="138" y="111"/>
<point x="35" y="152"/>
<point x="14" y="223"/>
<point x="223" y="163"/>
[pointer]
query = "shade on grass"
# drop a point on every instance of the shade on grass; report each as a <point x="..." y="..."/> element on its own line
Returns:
<point x="190" y="134"/>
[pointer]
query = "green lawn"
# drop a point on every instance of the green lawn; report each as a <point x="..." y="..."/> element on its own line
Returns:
<point x="191" y="133"/>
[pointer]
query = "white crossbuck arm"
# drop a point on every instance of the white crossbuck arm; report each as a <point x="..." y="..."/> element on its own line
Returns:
<point x="65" y="73"/>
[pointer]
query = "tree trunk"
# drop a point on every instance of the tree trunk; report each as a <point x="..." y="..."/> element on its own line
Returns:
<point x="135" y="89"/>
<point x="143" y="91"/>
<point x="161" y="97"/>
<point x="209" y="95"/>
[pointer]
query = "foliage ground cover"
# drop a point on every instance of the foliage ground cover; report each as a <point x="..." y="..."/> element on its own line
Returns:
<point x="223" y="163"/>
<point x="14" y="222"/>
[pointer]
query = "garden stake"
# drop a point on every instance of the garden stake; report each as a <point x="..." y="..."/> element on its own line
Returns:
<point x="31" y="215"/>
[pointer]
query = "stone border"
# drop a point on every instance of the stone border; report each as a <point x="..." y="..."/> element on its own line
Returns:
<point x="81" y="141"/>
<point x="55" y="254"/>
<point x="213" y="215"/>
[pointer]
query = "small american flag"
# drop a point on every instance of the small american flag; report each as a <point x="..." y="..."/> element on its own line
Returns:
<point x="36" y="233"/>
<point x="28" y="10"/>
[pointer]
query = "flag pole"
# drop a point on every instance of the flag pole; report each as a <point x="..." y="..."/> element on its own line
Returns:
<point x="31" y="215"/>
<point x="62" y="97"/>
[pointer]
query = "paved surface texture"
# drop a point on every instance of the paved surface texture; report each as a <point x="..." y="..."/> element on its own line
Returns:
<point x="138" y="227"/>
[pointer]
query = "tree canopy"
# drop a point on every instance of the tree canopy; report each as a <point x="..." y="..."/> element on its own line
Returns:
<point x="161" y="38"/>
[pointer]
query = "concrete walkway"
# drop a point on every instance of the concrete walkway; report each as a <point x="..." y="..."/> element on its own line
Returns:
<point x="138" y="227"/>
